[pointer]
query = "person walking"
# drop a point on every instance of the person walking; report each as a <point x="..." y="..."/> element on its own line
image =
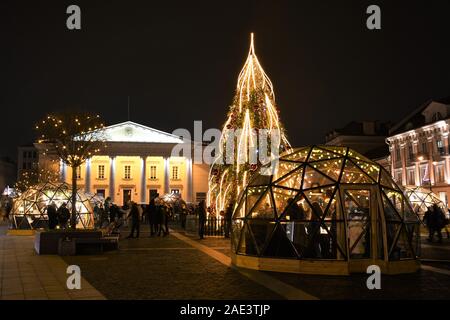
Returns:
<point x="201" y="218"/>
<point x="52" y="215"/>
<point x="135" y="221"/>
<point x="167" y="216"/>
<point x="63" y="215"/>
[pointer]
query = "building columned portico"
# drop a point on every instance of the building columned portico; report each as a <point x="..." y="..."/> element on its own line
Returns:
<point x="136" y="165"/>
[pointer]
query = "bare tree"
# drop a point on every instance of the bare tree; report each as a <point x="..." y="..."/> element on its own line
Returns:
<point x="74" y="137"/>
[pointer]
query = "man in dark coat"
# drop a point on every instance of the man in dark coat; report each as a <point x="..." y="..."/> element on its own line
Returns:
<point x="63" y="215"/>
<point x="135" y="221"/>
<point x="151" y="215"/>
<point x="52" y="216"/>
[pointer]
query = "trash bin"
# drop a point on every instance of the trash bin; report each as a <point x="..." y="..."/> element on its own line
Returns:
<point x="66" y="247"/>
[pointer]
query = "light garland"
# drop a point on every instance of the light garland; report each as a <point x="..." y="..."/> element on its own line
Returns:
<point x="253" y="109"/>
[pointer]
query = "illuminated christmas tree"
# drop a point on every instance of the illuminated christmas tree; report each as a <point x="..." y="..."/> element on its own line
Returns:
<point x="253" y="127"/>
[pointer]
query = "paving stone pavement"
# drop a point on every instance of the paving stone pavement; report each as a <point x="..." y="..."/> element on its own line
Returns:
<point x="26" y="275"/>
<point x="165" y="268"/>
<point x="169" y="268"/>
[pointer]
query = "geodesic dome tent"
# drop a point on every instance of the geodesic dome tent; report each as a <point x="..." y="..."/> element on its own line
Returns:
<point x="325" y="210"/>
<point x="30" y="208"/>
<point x="422" y="198"/>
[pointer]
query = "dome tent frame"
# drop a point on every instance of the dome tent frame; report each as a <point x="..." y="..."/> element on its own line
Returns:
<point x="29" y="209"/>
<point x="352" y="215"/>
<point x="421" y="199"/>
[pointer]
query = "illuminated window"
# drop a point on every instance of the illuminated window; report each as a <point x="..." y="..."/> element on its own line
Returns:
<point x="152" y="172"/>
<point x="127" y="172"/>
<point x="101" y="172"/>
<point x="439" y="173"/>
<point x="411" y="177"/>
<point x="440" y="147"/>
<point x="175" y="173"/>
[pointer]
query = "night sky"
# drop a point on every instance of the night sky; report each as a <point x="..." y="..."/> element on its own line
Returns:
<point x="179" y="61"/>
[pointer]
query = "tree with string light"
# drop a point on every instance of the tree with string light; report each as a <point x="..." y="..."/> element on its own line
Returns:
<point x="73" y="137"/>
<point x="34" y="176"/>
<point x="241" y="147"/>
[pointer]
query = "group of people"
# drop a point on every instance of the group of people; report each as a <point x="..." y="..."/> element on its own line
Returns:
<point x="112" y="217"/>
<point x="58" y="216"/>
<point x="435" y="220"/>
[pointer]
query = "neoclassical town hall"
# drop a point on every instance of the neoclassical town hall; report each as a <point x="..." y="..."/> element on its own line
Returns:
<point x="136" y="165"/>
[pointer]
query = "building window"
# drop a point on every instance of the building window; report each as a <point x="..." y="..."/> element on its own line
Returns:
<point x="101" y="192"/>
<point x="424" y="174"/>
<point x="439" y="173"/>
<point x="410" y="152"/>
<point x="152" y="172"/>
<point x="443" y="197"/>
<point x="397" y="154"/>
<point x="411" y="177"/>
<point x="101" y="171"/>
<point x="29" y="154"/>
<point x="24" y="154"/>
<point x="175" y="173"/>
<point x="199" y="196"/>
<point x="78" y="172"/>
<point x="127" y="172"/>
<point x="424" y="147"/>
<point x="440" y="147"/>
<point x="24" y="166"/>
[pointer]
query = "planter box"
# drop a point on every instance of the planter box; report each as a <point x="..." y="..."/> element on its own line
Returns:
<point x="46" y="242"/>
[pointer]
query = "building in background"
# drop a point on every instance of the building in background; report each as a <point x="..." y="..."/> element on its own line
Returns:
<point x="8" y="173"/>
<point x="136" y="165"/>
<point x="27" y="159"/>
<point x="366" y="137"/>
<point x="419" y="148"/>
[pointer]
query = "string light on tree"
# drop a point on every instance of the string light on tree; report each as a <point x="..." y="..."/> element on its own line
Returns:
<point x="253" y="109"/>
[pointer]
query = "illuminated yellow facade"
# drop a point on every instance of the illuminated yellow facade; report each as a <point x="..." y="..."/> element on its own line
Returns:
<point x="136" y="165"/>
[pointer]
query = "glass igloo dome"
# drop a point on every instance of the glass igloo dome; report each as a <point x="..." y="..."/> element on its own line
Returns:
<point x="326" y="210"/>
<point x="422" y="198"/>
<point x="30" y="208"/>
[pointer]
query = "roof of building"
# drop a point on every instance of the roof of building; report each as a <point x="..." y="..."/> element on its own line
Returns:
<point x="360" y="128"/>
<point x="416" y="118"/>
<point x="134" y="132"/>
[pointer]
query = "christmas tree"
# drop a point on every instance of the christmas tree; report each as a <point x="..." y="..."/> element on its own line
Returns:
<point x="252" y="128"/>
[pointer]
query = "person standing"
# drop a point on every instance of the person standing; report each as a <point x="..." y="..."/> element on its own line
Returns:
<point x="201" y="218"/>
<point x="227" y="221"/>
<point x="135" y="221"/>
<point x="152" y="212"/>
<point x="52" y="216"/>
<point x="63" y="215"/>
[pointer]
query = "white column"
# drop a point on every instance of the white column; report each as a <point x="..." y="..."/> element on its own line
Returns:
<point x="403" y="159"/>
<point x="112" y="173"/>
<point x="417" y="174"/>
<point x="87" y="186"/>
<point x="143" y="179"/>
<point x="189" y="180"/>
<point x="166" y="174"/>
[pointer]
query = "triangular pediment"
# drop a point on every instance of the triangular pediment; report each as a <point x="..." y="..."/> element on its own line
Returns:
<point x="133" y="132"/>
